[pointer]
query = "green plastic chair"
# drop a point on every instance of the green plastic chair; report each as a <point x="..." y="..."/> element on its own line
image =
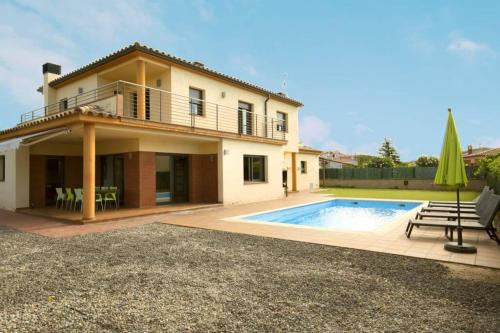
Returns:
<point x="70" y="198"/>
<point x="99" y="201"/>
<point x="78" y="198"/>
<point x="111" y="196"/>
<point x="60" y="196"/>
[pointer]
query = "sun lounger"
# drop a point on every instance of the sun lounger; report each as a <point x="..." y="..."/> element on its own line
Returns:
<point x="485" y="195"/>
<point x="446" y="215"/>
<point x="449" y="210"/>
<point x="466" y="204"/>
<point x="487" y="214"/>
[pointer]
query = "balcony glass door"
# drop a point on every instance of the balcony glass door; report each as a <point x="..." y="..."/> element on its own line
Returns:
<point x="245" y="117"/>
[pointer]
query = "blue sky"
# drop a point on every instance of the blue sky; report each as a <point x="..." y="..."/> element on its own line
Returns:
<point x="364" y="70"/>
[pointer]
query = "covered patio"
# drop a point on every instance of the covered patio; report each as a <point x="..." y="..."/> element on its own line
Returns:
<point x="150" y="172"/>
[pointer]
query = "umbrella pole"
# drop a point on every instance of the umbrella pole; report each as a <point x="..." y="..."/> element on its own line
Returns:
<point x="459" y="246"/>
<point x="459" y="228"/>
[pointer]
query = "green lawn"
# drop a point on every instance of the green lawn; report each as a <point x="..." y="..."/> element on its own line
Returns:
<point x="399" y="194"/>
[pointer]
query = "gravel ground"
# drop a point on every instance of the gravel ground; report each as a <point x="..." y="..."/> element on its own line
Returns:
<point x="164" y="278"/>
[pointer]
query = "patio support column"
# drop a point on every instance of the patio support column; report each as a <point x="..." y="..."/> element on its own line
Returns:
<point x="141" y="92"/>
<point x="88" y="171"/>
<point x="294" y="172"/>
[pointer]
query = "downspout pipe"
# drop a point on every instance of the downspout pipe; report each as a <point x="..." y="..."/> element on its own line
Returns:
<point x="265" y="114"/>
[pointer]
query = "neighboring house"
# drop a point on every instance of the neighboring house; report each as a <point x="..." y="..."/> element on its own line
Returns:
<point x="472" y="156"/>
<point x="337" y="160"/>
<point x="161" y="128"/>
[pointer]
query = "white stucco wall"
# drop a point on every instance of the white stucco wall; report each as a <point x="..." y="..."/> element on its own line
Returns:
<point x="88" y="83"/>
<point x="228" y="105"/>
<point x="232" y="187"/>
<point x="310" y="179"/>
<point x="14" y="191"/>
<point x="8" y="186"/>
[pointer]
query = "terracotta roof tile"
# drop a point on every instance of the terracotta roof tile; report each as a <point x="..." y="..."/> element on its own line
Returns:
<point x="94" y="111"/>
<point x="191" y="64"/>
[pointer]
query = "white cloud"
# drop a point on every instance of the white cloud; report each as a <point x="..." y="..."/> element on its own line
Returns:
<point x="469" y="48"/>
<point x="316" y="132"/>
<point x="361" y="129"/>
<point x="313" y="130"/>
<point x="100" y="21"/>
<point x="21" y="66"/>
<point x="38" y="31"/>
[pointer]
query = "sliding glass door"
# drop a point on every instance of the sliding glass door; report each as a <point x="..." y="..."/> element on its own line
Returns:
<point x="163" y="179"/>
<point x="171" y="178"/>
<point x="112" y="173"/>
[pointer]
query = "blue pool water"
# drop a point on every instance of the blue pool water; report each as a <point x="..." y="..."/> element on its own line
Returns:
<point x="357" y="215"/>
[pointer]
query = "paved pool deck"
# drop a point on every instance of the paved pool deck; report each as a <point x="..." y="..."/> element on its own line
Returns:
<point x="424" y="242"/>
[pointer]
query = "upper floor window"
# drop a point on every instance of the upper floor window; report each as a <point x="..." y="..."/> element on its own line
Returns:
<point x="2" y="168"/>
<point x="196" y="101"/>
<point x="63" y="104"/>
<point x="282" y="125"/>
<point x="303" y="167"/>
<point x="254" y="168"/>
<point x="245" y="118"/>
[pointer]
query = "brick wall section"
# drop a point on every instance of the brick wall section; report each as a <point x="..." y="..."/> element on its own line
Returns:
<point x="140" y="179"/>
<point x="38" y="173"/>
<point x="73" y="171"/>
<point x="413" y="184"/>
<point x="203" y="182"/>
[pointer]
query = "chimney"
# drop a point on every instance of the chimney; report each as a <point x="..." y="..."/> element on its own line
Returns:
<point x="50" y="73"/>
<point x="469" y="149"/>
<point x="199" y="64"/>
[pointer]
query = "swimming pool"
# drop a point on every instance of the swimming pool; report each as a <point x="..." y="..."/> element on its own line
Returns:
<point x="346" y="214"/>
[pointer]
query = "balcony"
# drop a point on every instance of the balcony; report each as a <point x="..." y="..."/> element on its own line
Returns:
<point x="129" y="100"/>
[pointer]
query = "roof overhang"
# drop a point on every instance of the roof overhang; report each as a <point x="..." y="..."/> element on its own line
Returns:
<point x="139" y="50"/>
<point x="31" y="139"/>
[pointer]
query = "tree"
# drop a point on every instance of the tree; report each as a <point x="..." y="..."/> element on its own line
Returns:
<point x="380" y="162"/>
<point x="489" y="165"/>
<point x="387" y="150"/>
<point x="363" y="160"/>
<point x="427" y="161"/>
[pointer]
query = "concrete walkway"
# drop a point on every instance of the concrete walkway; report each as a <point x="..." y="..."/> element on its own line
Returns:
<point x="424" y="243"/>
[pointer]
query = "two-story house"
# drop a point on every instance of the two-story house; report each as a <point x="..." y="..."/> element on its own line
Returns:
<point x="161" y="129"/>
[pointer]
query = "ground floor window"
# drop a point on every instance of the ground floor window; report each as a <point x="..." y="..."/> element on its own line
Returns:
<point x="254" y="168"/>
<point x="303" y="167"/>
<point x="2" y="168"/>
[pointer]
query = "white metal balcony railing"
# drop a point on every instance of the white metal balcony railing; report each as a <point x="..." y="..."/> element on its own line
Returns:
<point x="121" y="98"/>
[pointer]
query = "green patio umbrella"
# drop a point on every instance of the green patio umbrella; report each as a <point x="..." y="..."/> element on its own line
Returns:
<point x="451" y="172"/>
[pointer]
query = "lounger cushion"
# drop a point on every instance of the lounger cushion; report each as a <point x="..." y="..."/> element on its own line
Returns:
<point x="451" y="224"/>
<point x="448" y="210"/>
<point x="445" y="215"/>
